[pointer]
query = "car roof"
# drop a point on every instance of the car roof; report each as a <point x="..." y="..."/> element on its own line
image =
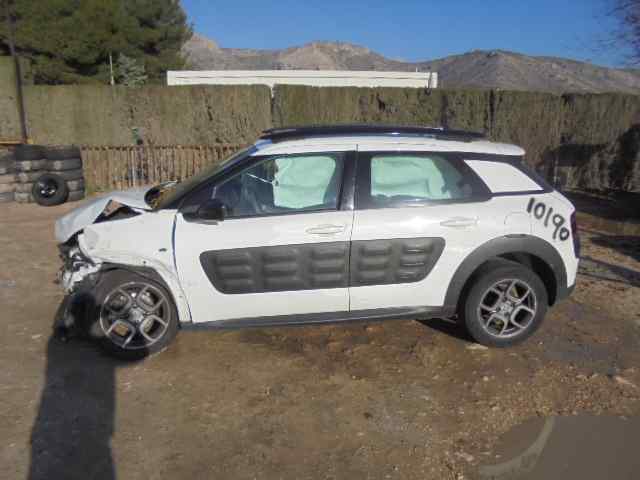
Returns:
<point x="377" y="142"/>
<point x="370" y="137"/>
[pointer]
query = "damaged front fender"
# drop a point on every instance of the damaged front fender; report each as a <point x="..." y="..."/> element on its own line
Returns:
<point x="87" y="213"/>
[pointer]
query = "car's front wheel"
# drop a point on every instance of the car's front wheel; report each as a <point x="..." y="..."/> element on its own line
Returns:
<point x="505" y="304"/>
<point x="133" y="316"/>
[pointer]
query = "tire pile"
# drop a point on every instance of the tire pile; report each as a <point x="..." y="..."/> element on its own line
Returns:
<point x="45" y="175"/>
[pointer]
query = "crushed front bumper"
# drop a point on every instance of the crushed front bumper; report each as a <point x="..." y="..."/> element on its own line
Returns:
<point x="76" y="270"/>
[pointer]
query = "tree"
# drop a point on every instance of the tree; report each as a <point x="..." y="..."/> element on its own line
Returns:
<point x="73" y="41"/>
<point x="130" y="72"/>
<point x="627" y="13"/>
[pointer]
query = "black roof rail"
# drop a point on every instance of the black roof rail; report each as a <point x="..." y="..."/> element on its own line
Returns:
<point x="289" y="133"/>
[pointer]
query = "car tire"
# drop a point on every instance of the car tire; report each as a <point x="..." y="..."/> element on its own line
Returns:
<point x="63" y="165"/>
<point x="49" y="190"/>
<point x="115" y="317"/>
<point x="8" y="178"/>
<point x="31" y="165"/>
<point x="6" y="166"/>
<point x="28" y="177"/>
<point x="76" y="195"/>
<point x="28" y="152"/>
<point x="23" y="197"/>
<point x="75" y="185"/>
<point x="8" y="187"/>
<point x="70" y="175"/>
<point x="61" y="153"/>
<point x="504" y="304"/>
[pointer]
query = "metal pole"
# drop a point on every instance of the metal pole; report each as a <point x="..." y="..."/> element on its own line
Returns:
<point x="18" y="71"/>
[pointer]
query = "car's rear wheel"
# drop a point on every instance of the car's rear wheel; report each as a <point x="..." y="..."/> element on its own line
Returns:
<point x="133" y="316"/>
<point x="505" y="304"/>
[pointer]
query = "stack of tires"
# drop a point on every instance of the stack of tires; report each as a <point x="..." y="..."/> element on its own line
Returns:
<point x="48" y="175"/>
<point x="8" y="178"/>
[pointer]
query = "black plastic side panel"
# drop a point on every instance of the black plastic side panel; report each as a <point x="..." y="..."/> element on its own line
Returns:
<point x="402" y="260"/>
<point x="503" y="245"/>
<point x="401" y="313"/>
<point x="278" y="268"/>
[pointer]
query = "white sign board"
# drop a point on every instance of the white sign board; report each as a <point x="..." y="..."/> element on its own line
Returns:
<point x="314" y="78"/>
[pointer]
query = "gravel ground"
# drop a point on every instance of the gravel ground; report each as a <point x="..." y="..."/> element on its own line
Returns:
<point x="401" y="399"/>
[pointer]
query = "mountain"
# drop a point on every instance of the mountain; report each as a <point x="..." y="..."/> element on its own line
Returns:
<point x="476" y="69"/>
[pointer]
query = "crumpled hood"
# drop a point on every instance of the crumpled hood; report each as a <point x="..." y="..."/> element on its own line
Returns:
<point x="88" y="212"/>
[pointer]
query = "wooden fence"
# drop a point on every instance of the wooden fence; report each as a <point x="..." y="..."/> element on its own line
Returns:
<point x="120" y="167"/>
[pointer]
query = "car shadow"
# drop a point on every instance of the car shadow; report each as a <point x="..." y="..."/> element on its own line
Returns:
<point x="71" y="435"/>
<point x="449" y="327"/>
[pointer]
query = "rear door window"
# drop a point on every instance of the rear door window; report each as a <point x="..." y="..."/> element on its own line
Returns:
<point x="404" y="179"/>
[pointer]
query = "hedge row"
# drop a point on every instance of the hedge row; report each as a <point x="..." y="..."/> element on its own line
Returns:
<point x="544" y="124"/>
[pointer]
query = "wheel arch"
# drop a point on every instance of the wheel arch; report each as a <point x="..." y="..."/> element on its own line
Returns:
<point x="152" y="274"/>
<point x="537" y="254"/>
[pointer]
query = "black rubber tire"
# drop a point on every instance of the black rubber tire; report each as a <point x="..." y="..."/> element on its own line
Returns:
<point x="8" y="178"/>
<point x="23" y="197"/>
<point x="61" y="152"/>
<point x="28" y="177"/>
<point x="24" y="187"/>
<point x="7" y="197"/>
<point x="57" y="197"/>
<point x="8" y="187"/>
<point x="28" y="152"/>
<point x="31" y="165"/>
<point x="62" y="165"/>
<point x="75" y="185"/>
<point x="6" y="166"/>
<point x="489" y="274"/>
<point x="69" y="175"/>
<point x="110" y="281"/>
<point x="76" y="195"/>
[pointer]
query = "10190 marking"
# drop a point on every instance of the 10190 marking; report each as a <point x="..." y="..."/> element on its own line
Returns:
<point x="540" y="211"/>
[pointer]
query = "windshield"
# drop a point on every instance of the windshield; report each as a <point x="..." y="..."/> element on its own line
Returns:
<point x="165" y="194"/>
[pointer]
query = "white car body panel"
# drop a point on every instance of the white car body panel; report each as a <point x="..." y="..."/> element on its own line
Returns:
<point x="545" y="229"/>
<point x="471" y="225"/>
<point x="141" y="241"/>
<point x="208" y="305"/>
<point x="89" y="211"/>
<point x="501" y="177"/>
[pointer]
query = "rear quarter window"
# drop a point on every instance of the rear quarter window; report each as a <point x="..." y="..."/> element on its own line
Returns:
<point x="503" y="177"/>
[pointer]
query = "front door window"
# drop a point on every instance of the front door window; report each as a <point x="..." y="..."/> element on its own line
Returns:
<point x="284" y="184"/>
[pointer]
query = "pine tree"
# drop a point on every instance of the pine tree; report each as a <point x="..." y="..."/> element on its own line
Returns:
<point x="72" y="41"/>
<point x="130" y="72"/>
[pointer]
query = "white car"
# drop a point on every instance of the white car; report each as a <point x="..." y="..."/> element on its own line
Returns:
<point x="325" y="224"/>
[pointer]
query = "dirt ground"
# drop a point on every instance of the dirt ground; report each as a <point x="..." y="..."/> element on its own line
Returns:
<point x="400" y="399"/>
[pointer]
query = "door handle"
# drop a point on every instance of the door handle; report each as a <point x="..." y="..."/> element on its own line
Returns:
<point x="459" y="222"/>
<point x="326" y="229"/>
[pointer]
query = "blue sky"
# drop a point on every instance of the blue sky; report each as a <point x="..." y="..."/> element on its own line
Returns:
<point x="414" y="30"/>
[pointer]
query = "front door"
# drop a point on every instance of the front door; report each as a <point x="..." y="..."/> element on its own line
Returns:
<point x="283" y="247"/>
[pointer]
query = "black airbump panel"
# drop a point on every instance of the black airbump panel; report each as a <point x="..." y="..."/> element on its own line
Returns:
<point x="275" y="269"/>
<point x="402" y="260"/>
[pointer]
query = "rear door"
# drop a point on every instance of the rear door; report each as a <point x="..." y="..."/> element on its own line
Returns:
<point x="283" y="249"/>
<point x="417" y="216"/>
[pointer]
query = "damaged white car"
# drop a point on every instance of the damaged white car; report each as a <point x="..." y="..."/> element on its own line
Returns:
<point x="323" y="224"/>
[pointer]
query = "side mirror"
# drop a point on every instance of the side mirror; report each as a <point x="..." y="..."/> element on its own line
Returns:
<point x="212" y="210"/>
